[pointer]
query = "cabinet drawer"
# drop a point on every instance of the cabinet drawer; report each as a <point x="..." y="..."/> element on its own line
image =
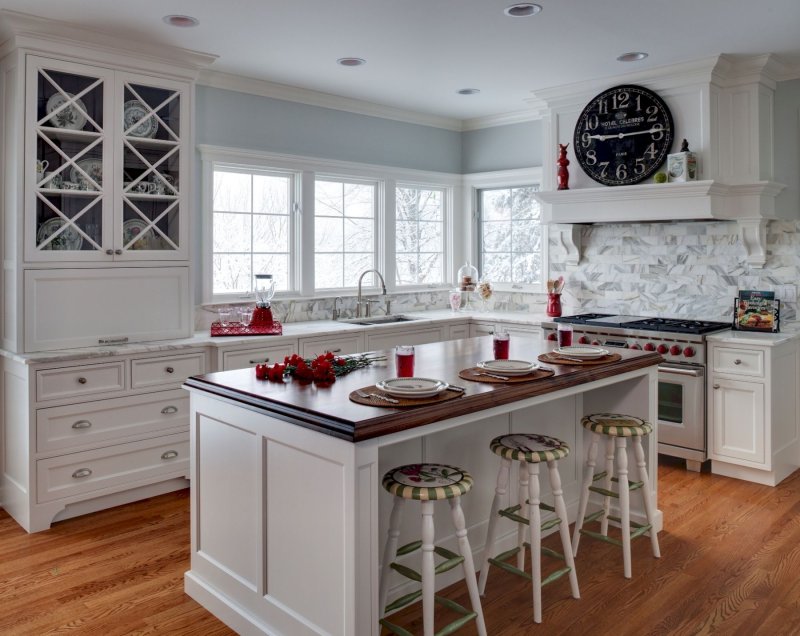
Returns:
<point x="114" y="468"/>
<point x="739" y="361"/>
<point x="351" y="343"/>
<point x="262" y="355"/>
<point x="91" y="379"/>
<point x="384" y="340"/>
<point x="166" y="370"/>
<point x="81" y="426"/>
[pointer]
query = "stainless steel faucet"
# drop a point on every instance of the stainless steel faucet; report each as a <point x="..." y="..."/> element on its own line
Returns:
<point x="336" y="311"/>
<point x="360" y="301"/>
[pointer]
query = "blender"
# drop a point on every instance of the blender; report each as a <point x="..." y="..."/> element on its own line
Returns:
<point x="265" y="290"/>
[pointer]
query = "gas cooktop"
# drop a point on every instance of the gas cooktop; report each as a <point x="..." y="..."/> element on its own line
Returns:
<point x="673" y="325"/>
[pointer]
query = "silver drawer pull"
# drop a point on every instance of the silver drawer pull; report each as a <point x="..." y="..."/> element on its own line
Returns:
<point x="169" y="454"/>
<point x="82" y="424"/>
<point x="339" y="350"/>
<point x="168" y="410"/>
<point x="81" y="473"/>
<point x="716" y="386"/>
<point x="737" y="361"/>
<point x="264" y="361"/>
<point x="120" y="340"/>
<point x="82" y="380"/>
<point x="169" y="370"/>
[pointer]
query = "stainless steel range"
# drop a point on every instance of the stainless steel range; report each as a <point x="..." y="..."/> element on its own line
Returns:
<point x="681" y="377"/>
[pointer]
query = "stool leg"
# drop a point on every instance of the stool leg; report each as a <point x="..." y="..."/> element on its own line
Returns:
<point x="499" y="493"/>
<point x="624" y="503"/>
<point x="563" y="527"/>
<point x="428" y="586"/>
<point x="524" y="511"/>
<point x="588" y="476"/>
<point x="536" y="539"/>
<point x="648" y="500"/>
<point x="607" y="485"/>
<point x="469" y="565"/>
<point x="389" y="552"/>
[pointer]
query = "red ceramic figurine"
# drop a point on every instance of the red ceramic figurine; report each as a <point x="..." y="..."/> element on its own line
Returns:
<point x="563" y="162"/>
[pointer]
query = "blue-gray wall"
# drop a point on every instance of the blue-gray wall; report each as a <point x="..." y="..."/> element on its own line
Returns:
<point x="502" y="147"/>
<point x="787" y="147"/>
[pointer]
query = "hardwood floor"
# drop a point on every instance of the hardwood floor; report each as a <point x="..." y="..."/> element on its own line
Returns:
<point x="731" y="558"/>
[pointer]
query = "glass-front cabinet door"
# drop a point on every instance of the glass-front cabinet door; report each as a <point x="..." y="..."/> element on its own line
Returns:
<point x="107" y="155"/>
<point x="68" y="156"/>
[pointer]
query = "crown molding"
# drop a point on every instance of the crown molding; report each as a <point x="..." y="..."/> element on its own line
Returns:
<point x="263" y="88"/>
<point x="533" y="113"/>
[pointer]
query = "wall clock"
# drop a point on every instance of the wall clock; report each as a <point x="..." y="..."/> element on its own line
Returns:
<point x="623" y="135"/>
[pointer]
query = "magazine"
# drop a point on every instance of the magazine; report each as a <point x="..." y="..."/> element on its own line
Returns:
<point x="756" y="311"/>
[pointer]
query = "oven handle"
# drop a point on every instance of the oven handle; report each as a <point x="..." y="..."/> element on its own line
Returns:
<point x="695" y="373"/>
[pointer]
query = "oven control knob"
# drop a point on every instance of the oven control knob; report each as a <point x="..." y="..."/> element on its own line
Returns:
<point x="634" y="346"/>
<point x="649" y="346"/>
<point x="583" y="340"/>
<point x="552" y="336"/>
<point x="689" y="352"/>
<point x="675" y="350"/>
<point x="662" y="349"/>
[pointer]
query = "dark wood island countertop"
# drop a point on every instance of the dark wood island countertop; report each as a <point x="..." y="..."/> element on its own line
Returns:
<point x="329" y="409"/>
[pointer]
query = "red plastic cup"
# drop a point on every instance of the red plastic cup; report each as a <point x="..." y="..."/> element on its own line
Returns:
<point x="501" y="342"/>
<point x="404" y="360"/>
<point x="564" y="335"/>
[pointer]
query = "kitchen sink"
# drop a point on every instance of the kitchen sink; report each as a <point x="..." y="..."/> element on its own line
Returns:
<point x="377" y="320"/>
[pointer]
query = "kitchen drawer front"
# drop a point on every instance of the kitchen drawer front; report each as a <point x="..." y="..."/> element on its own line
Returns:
<point x="262" y="355"/>
<point x="739" y="361"/>
<point x="81" y="426"/>
<point x="351" y="343"/>
<point x="379" y="340"/>
<point x="69" y="382"/>
<point x="111" y="469"/>
<point x="164" y="371"/>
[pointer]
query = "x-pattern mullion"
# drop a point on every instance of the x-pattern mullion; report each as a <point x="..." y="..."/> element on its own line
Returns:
<point x="67" y="220"/>
<point x="153" y="112"/>
<point x="151" y="166"/>
<point x="73" y="161"/>
<point x="70" y="100"/>
<point x="151" y="224"/>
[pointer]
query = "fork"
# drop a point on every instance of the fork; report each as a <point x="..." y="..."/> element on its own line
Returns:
<point x="376" y="395"/>
<point x="492" y="375"/>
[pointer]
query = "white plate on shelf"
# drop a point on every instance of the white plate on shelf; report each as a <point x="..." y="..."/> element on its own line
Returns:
<point x="69" y="240"/>
<point x="584" y="353"/>
<point x="92" y="167"/>
<point x="135" y="111"/>
<point x="509" y="367"/>
<point x="70" y="117"/>
<point x="412" y="387"/>
<point x="132" y="230"/>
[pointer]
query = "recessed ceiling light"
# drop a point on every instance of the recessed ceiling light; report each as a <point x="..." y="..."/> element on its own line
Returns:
<point x="633" y="56"/>
<point x="181" y="20"/>
<point x="522" y="10"/>
<point x="350" y="61"/>
<point x="468" y="91"/>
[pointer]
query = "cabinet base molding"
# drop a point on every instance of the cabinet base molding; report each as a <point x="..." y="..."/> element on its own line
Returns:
<point x="757" y="476"/>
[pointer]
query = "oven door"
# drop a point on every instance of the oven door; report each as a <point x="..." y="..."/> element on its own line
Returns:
<point x="682" y="410"/>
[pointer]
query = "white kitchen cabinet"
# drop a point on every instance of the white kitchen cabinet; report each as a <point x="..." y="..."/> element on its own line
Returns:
<point x="753" y="407"/>
<point x="351" y="342"/>
<point x="241" y="358"/>
<point x="387" y="338"/>
<point x="487" y="328"/>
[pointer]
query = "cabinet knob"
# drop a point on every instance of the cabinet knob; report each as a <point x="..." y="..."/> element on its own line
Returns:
<point x="82" y="380"/>
<point x="170" y="454"/>
<point x="169" y="370"/>
<point x="169" y="410"/>
<point x="81" y="473"/>
<point x="716" y="386"/>
<point x="737" y="361"/>
<point x="82" y="424"/>
<point x="117" y="252"/>
<point x="110" y="252"/>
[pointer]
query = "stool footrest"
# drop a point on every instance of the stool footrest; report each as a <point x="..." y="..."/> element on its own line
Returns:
<point x="594" y="516"/>
<point x="638" y="529"/>
<point x="395" y="629"/>
<point x="604" y="491"/>
<point x="448" y="565"/>
<point x="408" y="548"/>
<point x="552" y="553"/>
<point x="408" y="572"/>
<point x="556" y="575"/>
<point x="546" y="525"/>
<point x="510" y="513"/>
<point x="599" y="476"/>
<point x="602" y="537"/>
<point x="403" y="601"/>
<point x="548" y="507"/>
<point x="510" y="568"/>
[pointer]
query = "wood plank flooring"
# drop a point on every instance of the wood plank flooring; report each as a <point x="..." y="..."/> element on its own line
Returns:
<point x="730" y="565"/>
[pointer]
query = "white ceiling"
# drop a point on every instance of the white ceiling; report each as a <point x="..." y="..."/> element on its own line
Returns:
<point x="420" y="52"/>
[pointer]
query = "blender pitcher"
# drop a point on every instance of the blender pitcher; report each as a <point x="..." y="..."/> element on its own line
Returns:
<point x="265" y="290"/>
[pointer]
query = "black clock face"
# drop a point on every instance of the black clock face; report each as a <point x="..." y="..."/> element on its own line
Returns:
<point x="623" y="135"/>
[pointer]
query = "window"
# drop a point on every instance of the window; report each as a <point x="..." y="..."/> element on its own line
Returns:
<point x="510" y="235"/>
<point x="419" y="235"/>
<point x="252" y="229"/>
<point x="344" y="231"/>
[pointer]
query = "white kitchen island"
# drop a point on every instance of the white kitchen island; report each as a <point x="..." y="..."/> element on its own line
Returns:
<point x="288" y="515"/>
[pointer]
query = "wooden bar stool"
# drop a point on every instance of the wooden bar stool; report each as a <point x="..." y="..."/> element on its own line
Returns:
<point x="529" y="450"/>
<point x="428" y="483"/>
<point x="617" y="429"/>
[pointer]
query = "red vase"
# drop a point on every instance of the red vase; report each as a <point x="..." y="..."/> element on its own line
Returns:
<point x="553" y="304"/>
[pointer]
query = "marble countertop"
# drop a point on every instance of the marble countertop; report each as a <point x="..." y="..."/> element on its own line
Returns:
<point x="290" y="330"/>
<point x="754" y="338"/>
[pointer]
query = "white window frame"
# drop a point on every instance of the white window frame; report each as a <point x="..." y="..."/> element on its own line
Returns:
<point x="306" y="170"/>
<point x="473" y="184"/>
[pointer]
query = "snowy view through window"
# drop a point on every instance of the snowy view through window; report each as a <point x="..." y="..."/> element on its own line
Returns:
<point x="419" y="235"/>
<point x="511" y="236"/>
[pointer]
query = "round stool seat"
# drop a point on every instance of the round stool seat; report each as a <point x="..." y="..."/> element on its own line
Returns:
<point x="427" y="482"/>
<point x="616" y="425"/>
<point x="529" y="448"/>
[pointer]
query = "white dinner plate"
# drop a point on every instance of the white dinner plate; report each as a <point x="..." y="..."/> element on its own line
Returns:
<point x="509" y="367"/>
<point x="71" y="116"/>
<point x="92" y="168"/>
<point x="585" y="353"/>
<point x="68" y="240"/>
<point x="412" y="387"/>
<point x="135" y="112"/>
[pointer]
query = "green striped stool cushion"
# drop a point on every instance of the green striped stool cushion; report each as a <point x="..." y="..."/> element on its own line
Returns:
<point x="427" y="482"/>
<point x="617" y="425"/>
<point x="529" y="448"/>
